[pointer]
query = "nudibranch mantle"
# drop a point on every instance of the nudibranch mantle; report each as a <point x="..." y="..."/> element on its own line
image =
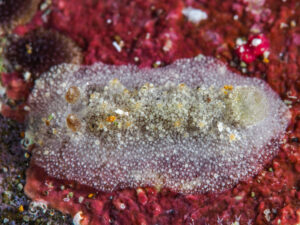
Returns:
<point x="192" y="126"/>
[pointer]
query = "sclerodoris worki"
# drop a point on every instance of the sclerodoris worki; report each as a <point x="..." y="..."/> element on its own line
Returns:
<point x="192" y="126"/>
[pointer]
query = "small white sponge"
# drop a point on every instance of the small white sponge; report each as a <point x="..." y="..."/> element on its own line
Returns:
<point x="192" y="126"/>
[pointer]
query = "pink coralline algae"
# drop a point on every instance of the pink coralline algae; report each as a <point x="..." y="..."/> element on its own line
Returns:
<point x="135" y="32"/>
<point x="192" y="126"/>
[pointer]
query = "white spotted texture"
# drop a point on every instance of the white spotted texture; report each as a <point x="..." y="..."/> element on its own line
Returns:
<point x="192" y="126"/>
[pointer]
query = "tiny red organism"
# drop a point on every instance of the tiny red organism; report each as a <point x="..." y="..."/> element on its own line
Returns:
<point x="257" y="45"/>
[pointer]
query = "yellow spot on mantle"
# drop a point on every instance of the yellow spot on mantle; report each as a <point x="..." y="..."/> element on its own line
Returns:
<point x="111" y="119"/>
<point x="92" y="96"/>
<point x="266" y="60"/>
<point x="40" y="142"/>
<point x="21" y="208"/>
<point x="179" y="105"/>
<point x="232" y="137"/>
<point x="177" y="123"/>
<point x="115" y="81"/>
<point x="228" y="87"/>
<point x="128" y="124"/>
<point x="181" y="86"/>
<point x="91" y="195"/>
<point x="201" y="124"/>
<point x="137" y="106"/>
<point x="100" y="126"/>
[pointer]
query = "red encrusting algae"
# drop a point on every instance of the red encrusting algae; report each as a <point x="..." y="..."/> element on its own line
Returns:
<point x="151" y="206"/>
<point x="273" y="196"/>
<point x="17" y="91"/>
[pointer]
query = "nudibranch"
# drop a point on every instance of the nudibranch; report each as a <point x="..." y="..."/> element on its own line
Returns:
<point x="193" y="126"/>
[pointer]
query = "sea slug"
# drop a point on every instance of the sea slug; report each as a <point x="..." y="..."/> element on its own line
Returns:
<point x="193" y="126"/>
